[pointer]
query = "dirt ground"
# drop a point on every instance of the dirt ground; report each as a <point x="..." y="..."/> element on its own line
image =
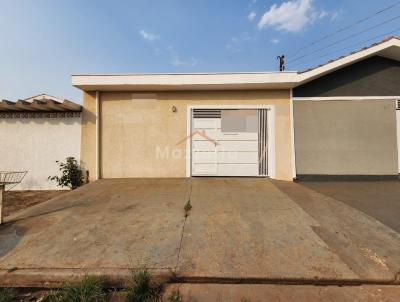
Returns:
<point x="18" y="200"/>
<point x="249" y="292"/>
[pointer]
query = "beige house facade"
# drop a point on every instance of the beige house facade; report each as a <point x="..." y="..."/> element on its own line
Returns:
<point x="130" y="147"/>
<point x="334" y="120"/>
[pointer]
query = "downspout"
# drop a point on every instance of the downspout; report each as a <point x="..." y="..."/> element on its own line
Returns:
<point x="97" y="135"/>
<point x="294" y="172"/>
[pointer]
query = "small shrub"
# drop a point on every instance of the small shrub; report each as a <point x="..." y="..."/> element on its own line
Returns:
<point x="187" y="208"/>
<point x="175" y="296"/>
<point x="90" y="289"/>
<point x="71" y="174"/>
<point x="6" y="294"/>
<point x="142" y="288"/>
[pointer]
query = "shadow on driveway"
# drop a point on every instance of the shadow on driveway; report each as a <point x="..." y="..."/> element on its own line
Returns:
<point x="378" y="199"/>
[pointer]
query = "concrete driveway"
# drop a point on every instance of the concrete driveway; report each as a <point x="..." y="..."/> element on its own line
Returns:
<point x="238" y="228"/>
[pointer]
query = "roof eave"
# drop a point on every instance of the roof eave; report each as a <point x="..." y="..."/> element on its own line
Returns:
<point x="190" y="87"/>
<point x="171" y="82"/>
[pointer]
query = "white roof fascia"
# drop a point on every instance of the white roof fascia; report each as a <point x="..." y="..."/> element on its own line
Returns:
<point x="217" y="81"/>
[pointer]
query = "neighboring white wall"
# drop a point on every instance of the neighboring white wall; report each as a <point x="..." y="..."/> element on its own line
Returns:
<point x="34" y="144"/>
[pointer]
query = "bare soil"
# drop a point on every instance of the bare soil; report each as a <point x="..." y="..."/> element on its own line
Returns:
<point x="18" y="200"/>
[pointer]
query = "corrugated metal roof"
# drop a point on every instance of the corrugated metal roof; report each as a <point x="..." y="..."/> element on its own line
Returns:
<point x="39" y="105"/>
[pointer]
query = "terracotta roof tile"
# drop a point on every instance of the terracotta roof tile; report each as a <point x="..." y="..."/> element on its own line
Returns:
<point x="42" y="105"/>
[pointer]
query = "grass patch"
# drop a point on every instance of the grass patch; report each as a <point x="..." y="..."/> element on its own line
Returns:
<point x="90" y="289"/>
<point x="6" y="294"/>
<point x="187" y="208"/>
<point x="175" y="296"/>
<point x="142" y="288"/>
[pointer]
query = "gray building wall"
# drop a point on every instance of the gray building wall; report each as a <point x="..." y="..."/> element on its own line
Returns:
<point x="375" y="76"/>
<point x="345" y="137"/>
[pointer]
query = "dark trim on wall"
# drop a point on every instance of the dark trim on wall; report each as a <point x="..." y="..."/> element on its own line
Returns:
<point x="321" y="177"/>
<point x="38" y="114"/>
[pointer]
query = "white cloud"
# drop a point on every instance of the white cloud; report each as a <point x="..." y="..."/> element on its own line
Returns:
<point x="233" y="48"/>
<point x="176" y="59"/>
<point x="334" y="15"/>
<point x="275" y="41"/>
<point x="252" y="16"/>
<point x="292" y="16"/>
<point x="252" y="3"/>
<point x="236" y="43"/>
<point x="320" y="15"/>
<point x="148" y="36"/>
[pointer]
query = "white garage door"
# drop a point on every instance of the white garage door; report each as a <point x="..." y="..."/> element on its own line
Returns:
<point x="229" y="142"/>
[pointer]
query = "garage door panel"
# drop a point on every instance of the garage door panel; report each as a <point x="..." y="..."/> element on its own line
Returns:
<point x="204" y="157"/>
<point x="203" y="145"/>
<point x="205" y="134"/>
<point x="205" y="123"/>
<point x="244" y="136"/>
<point x="238" y="169"/>
<point x="217" y="135"/>
<point x="238" y="157"/>
<point x="225" y="157"/>
<point x="237" y="145"/>
<point x="205" y="169"/>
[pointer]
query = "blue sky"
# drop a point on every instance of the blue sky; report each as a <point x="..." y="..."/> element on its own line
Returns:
<point x="43" y="42"/>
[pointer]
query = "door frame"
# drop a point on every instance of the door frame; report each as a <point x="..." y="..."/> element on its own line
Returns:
<point x="271" y="133"/>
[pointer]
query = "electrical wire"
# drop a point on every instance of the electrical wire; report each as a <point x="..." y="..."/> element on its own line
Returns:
<point x="350" y="46"/>
<point x="344" y="39"/>
<point x="345" y="28"/>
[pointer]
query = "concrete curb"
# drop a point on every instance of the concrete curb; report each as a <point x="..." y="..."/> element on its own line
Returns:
<point x="120" y="277"/>
<point x="282" y="293"/>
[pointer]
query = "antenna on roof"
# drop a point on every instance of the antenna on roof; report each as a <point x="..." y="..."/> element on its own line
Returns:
<point x="281" y="62"/>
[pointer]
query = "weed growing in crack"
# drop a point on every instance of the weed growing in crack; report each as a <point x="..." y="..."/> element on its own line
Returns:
<point x="89" y="289"/>
<point x="142" y="288"/>
<point x="6" y="294"/>
<point x="175" y="296"/>
<point x="187" y="208"/>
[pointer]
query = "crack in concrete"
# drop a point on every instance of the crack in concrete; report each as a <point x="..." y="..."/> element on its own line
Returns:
<point x="282" y="281"/>
<point x="183" y="228"/>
